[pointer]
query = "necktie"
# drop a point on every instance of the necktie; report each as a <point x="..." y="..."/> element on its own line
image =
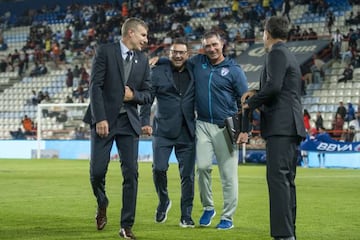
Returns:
<point x="128" y="56"/>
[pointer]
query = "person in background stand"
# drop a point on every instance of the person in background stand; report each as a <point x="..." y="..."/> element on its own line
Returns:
<point x="285" y="9"/>
<point x="27" y="124"/>
<point x="341" y="110"/>
<point x="321" y="155"/>
<point x="282" y="125"/>
<point x="307" y="118"/>
<point x="120" y="80"/>
<point x="355" y="124"/>
<point x="319" y="122"/>
<point x="174" y="128"/>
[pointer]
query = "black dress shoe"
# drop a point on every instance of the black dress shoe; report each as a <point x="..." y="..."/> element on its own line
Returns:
<point x="101" y="218"/>
<point x="127" y="233"/>
<point x="187" y="223"/>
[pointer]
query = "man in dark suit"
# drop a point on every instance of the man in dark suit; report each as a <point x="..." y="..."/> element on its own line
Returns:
<point x="120" y="80"/>
<point x="281" y="124"/>
<point x="174" y="128"/>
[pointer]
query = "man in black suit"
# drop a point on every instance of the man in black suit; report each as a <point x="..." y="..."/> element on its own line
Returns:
<point x="279" y="100"/>
<point x="174" y="128"/>
<point x="120" y="80"/>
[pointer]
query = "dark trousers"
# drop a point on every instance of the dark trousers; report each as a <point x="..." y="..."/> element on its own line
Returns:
<point x="281" y="158"/>
<point x="127" y="142"/>
<point x="184" y="147"/>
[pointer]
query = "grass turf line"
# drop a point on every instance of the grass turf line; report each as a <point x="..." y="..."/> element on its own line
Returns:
<point x="52" y="199"/>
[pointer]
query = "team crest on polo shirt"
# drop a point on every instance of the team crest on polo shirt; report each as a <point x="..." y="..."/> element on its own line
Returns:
<point x="224" y="71"/>
<point x="204" y="65"/>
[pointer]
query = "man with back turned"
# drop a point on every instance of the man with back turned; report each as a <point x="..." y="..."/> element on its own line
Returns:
<point x="282" y="126"/>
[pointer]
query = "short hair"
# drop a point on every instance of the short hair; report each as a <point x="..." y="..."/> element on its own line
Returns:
<point x="277" y="27"/>
<point x="210" y="34"/>
<point x="181" y="41"/>
<point x="132" y="23"/>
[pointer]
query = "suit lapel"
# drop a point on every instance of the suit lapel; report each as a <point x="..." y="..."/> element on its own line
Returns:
<point x="119" y="61"/>
<point x="169" y="76"/>
<point x="191" y="82"/>
<point x="134" y="64"/>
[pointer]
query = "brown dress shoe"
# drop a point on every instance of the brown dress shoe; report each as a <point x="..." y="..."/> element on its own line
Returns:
<point x="101" y="218"/>
<point x="126" y="233"/>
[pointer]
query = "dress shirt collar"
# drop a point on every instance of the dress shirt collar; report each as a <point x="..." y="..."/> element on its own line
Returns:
<point x="124" y="50"/>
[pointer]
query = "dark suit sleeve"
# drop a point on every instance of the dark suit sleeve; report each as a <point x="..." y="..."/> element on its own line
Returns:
<point x="276" y="69"/>
<point x="142" y="95"/>
<point x="97" y="84"/>
<point x="145" y="109"/>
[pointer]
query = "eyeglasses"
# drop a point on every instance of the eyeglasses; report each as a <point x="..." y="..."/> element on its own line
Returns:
<point x="178" y="52"/>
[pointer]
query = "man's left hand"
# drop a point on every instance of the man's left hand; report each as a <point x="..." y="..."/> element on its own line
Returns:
<point x="129" y="94"/>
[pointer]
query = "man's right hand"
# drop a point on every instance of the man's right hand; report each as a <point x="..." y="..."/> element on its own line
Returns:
<point x="247" y="95"/>
<point x="242" y="138"/>
<point x="146" y="130"/>
<point x="102" y="128"/>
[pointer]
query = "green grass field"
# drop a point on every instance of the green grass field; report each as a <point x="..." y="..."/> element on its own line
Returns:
<point x="52" y="199"/>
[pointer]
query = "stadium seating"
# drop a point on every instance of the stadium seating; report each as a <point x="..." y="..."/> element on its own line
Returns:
<point x="324" y="97"/>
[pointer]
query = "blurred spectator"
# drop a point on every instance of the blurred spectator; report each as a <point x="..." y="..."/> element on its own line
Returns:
<point x="67" y="36"/>
<point x="347" y="74"/>
<point x="39" y="69"/>
<point x="337" y="39"/>
<point x="3" y="44"/>
<point x="40" y="96"/>
<point x="3" y="65"/>
<point x="350" y="113"/>
<point x="27" y="124"/>
<point x="348" y="134"/>
<point x="76" y="72"/>
<point x="47" y="98"/>
<point x="353" y="20"/>
<point x="19" y="134"/>
<point x="312" y="34"/>
<point x="69" y="99"/>
<point x="79" y="133"/>
<point x="337" y="126"/>
<point x="347" y="57"/>
<point x="14" y="57"/>
<point x="285" y="9"/>
<point x="322" y="134"/>
<point x="235" y="10"/>
<point x="355" y="124"/>
<point x="199" y="30"/>
<point x="84" y="78"/>
<point x="69" y="78"/>
<point x="34" y="99"/>
<point x="55" y="53"/>
<point x="341" y="110"/>
<point x="319" y="121"/>
<point x="307" y="120"/>
<point x="330" y="19"/>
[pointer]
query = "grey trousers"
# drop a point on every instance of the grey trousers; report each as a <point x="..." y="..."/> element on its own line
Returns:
<point x="212" y="143"/>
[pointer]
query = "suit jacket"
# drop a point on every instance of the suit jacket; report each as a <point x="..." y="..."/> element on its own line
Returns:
<point x="172" y="108"/>
<point x="279" y="97"/>
<point x="107" y="88"/>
